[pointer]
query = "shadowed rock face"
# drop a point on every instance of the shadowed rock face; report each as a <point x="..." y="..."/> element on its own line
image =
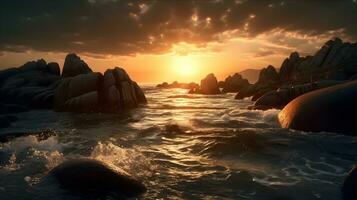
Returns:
<point x="92" y="176"/>
<point x="209" y="85"/>
<point x="74" y="65"/>
<point x="30" y="84"/>
<point x="349" y="186"/>
<point x="332" y="109"/>
<point x="234" y="83"/>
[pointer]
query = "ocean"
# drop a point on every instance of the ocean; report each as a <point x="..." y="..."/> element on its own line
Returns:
<point x="181" y="146"/>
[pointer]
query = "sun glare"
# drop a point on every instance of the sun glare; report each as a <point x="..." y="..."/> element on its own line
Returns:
<point x="184" y="66"/>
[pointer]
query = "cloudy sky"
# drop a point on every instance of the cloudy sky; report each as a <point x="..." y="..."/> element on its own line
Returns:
<point x="165" y="40"/>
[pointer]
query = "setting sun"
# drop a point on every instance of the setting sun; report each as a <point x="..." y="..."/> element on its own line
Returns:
<point x="184" y="66"/>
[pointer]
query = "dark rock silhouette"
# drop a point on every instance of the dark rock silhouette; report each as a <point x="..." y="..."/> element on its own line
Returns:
<point x="74" y="65"/>
<point x="331" y="109"/>
<point x="37" y="84"/>
<point x="252" y="75"/>
<point x="119" y="91"/>
<point x="279" y="98"/>
<point x="94" y="177"/>
<point x="209" y="86"/>
<point x="29" y="85"/>
<point x="349" y="191"/>
<point x="175" y="84"/>
<point x="234" y="83"/>
<point x="79" y="93"/>
<point x="335" y="61"/>
<point x="268" y="81"/>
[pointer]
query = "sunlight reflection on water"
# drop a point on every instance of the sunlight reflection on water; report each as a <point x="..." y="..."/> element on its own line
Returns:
<point x="182" y="146"/>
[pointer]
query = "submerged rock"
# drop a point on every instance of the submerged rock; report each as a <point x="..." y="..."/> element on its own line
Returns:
<point x="331" y="109"/>
<point x="349" y="186"/>
<point x="176" y="84"/>
<point x="93" y="176"/>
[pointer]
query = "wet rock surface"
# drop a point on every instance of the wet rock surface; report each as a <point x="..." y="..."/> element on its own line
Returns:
<point x="331" y="109"/>
<point x="94" y="177"/>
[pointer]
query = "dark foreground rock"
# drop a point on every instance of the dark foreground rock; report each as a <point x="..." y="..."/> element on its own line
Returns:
<point x="332" y="109"/>
<point x="92" y="176"/>
<point x="349" y="186"/>
<point x="282" y="96"/>
<point x="175" y="84"/>
<point x="209" y="86"/>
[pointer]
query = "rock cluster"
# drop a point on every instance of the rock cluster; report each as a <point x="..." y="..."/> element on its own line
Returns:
<point x="234" y="83"/>
<point x="175" y="84"/>
<point x="335" y="61"/>
<point x="37" y="84"/>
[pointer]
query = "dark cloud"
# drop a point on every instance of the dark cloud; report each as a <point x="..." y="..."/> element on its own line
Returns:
<point x="129" y="27"/>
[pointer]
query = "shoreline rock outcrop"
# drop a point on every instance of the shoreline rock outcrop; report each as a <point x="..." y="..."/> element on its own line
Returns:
<point x="330" y="109"/>
<point x="282" y="96"/>
<point x="335" y="61"/>
<point x="38" y="85"/>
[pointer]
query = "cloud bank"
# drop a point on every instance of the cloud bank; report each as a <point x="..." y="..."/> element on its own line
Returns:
<point x="122" y="27"/>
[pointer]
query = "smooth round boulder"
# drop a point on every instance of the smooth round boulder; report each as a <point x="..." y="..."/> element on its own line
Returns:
<point x="93" y="176"/>
<point x="349" y="186"/>
<point x="332" y="109"/>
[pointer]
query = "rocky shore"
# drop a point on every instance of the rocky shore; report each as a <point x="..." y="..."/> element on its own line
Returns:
<point x="40" y="85"/>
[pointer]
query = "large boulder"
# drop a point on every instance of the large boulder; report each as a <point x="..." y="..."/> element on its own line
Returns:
<point x="209" y="85"/>
<point x="93" y="92"/>
<point x="120" y="92"/>
<point x="79" y="93"/>
<point x="74" y="65"/>
<point x="235" y="83"/>
<point x="331" y="109"/>
<point x="282" y="96"/>
<point x="349" y="186"/>
<point x="94" y="177"/>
